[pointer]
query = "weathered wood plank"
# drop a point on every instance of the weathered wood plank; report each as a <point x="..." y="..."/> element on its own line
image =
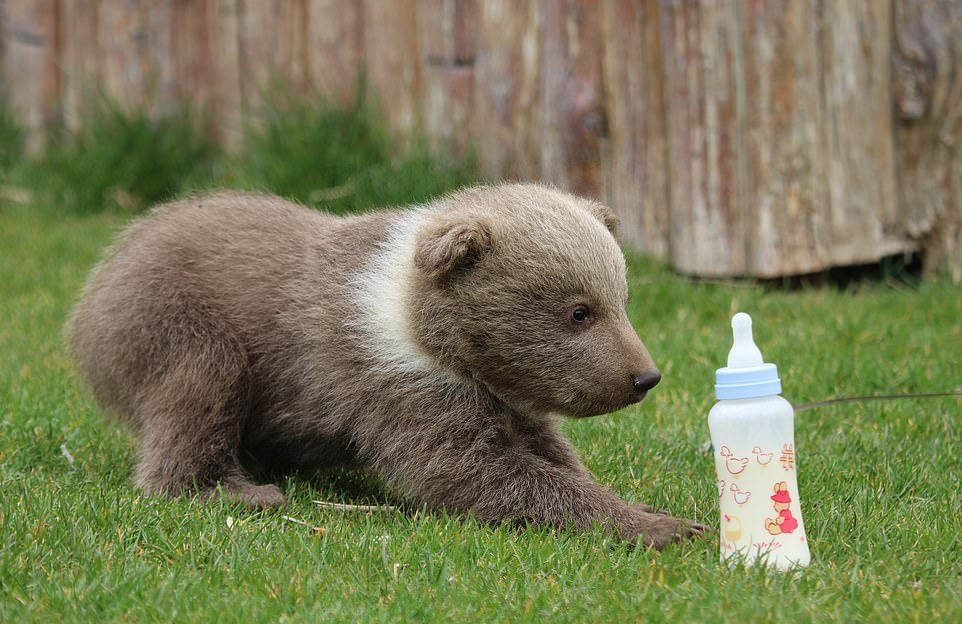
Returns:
<point x="856" y="51"/>
<point x="928" y="105"/>
<point x="256" y="53"/>
<point x="506" y="89"/>
<point x="122" y="36"/>
<point x="273" y="49"/>
<point x="293" y="46"/>
<point x="32" y="39"/>
<point x="4" y="78"/>
<point x="635" y="167"/>
<point x="392" y="61"/>
<point x="446" y="39"/>
<point x="80" y="60"/>
<point x="571" y="100"/>
<point x="786" y="214"/>
<point x="192" y="54"/>
<point x="781" y="152"/>
<point x="334" y="52"/>
<point x="228" y="93"/>
<point x="704" y="68"/>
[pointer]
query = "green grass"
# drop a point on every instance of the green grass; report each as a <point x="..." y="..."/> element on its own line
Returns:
<point x="120" y="159"/>
<point x="879" y="481"/>
<point x="11" y="140"/>
<point x="340" y="159"/>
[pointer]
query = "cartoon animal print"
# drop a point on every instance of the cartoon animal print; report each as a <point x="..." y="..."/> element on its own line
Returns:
<point x="763" y="459"/>
<point x="741" y="496"/>
<point x="721" y="487"/>
<point x="787" y="457"/>
<point x="785" y="522"/>
<point x="733" y="528"/>
<point x="735" y="465"/>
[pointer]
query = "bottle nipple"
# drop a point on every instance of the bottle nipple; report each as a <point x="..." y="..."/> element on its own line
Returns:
<point x="744" y="353"/>
<point x="747" y="375"/>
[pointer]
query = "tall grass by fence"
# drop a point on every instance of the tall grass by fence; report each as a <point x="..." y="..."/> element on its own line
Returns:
<point x="338" y="158"/>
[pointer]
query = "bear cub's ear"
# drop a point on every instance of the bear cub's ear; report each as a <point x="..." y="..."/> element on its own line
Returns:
<point x="451" y="246"/>
<point x="606" y="215"/>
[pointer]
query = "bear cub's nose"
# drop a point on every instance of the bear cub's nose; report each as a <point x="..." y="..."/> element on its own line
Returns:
<point x="646" y="381"/>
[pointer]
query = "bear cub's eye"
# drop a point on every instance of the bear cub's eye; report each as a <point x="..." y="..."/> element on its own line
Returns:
<point x="579" y="314"/>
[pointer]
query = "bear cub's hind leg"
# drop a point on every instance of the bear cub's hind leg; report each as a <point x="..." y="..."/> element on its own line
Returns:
<point x="191" y="423"/>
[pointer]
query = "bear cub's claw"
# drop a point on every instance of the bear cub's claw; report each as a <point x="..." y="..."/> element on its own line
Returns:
<point x="657" y="530"/>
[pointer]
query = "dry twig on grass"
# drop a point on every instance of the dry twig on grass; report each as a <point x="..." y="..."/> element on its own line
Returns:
<point x="332" y="193"/>
<point x="316" y="530"/>
<point x="346" y="507"/>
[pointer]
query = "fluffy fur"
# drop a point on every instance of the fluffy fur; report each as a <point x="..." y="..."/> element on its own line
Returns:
<point x="432" y="346"/>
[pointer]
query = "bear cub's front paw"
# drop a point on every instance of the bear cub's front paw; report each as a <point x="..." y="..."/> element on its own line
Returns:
<point x="657" y="530"/>
<point x="265" y="496"/>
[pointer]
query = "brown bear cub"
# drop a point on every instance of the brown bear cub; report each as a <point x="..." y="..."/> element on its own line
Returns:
<point x="432" y="346"/>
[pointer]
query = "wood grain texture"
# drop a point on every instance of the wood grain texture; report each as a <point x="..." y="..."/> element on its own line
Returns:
<point x="136" y="53"/>
<point x="781" y="141"/>
<point x="5" y="82"/>
<point x="80" y="67"/>
<point x="393" y="68"/>
<point x="228" y="109"/>
<point x="928" y="134"/>
<point x="786" y="195"/>
<point x="704" y="69"/>
<point x="859" y="146"/>
<point x="571" y="109"/>
<point x="31" y="55"/>
<point x="446" y="37"/>
<point x="193" y="23"/>
<point x="334" y="48"/>
<point x="506" y="89"/>
<point x="273" y="50"/>
<point x="635" y="166"/>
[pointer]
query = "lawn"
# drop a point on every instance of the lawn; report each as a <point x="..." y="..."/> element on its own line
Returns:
<point x="880" y="482"/>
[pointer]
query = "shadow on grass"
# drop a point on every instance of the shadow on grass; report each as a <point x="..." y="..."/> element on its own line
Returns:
<point x="337" y="485"/>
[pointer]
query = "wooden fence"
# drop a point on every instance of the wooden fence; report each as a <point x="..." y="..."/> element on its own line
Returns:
<point x="734" y="137"/>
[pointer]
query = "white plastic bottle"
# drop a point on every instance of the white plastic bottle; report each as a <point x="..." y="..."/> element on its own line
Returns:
<point x="753" y="440"/>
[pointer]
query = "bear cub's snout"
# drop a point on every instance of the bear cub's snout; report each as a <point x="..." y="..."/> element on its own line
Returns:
<point x="645" y="381"/>
<point x="434" y="347"/>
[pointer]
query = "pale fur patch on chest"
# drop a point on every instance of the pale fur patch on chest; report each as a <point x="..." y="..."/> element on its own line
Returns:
<point x="381" y="293"/>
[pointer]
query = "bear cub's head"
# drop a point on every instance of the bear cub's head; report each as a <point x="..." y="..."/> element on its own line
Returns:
<point x="523" y="288"/>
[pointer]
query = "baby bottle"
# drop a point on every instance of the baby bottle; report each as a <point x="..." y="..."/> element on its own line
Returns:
<point x="753" y="438"/>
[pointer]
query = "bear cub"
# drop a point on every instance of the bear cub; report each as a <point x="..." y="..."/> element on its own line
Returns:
<point x="434" y="347"/>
